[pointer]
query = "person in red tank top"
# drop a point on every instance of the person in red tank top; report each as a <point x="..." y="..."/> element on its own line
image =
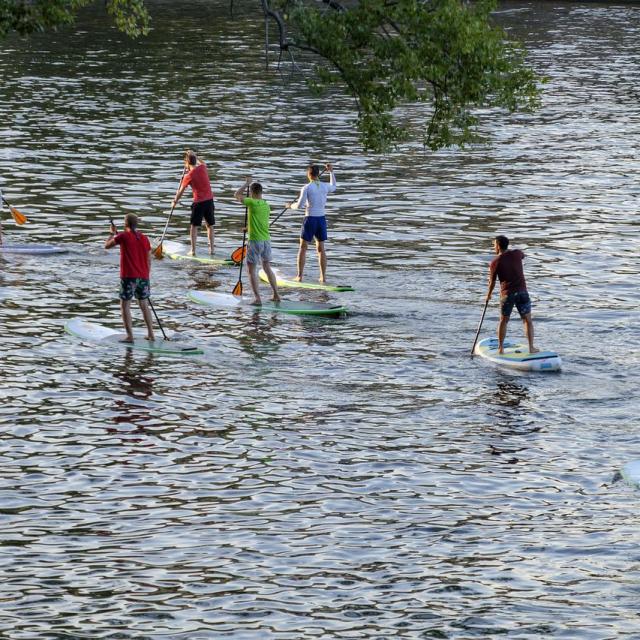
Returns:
<point x="202" y="207"/>
<point x="135" y="267"/>
<point x="507" y="267"/>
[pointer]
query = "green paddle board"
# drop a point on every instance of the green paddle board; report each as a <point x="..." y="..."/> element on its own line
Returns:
<point x="179" y="251"/>
<point x="290" y="282"/>
<point x="293" y="307"/>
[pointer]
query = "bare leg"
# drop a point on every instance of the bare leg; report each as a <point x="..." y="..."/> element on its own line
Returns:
<point x="302" y="255"/>
<point x="528" y="332"/>
<point x="210" y="237"/>
<point x="148" y="320"/>
<point x="322" y="260"/>
<point x="272" y="280"/>
<point x="502" y="332"/>
<point x="125" y="310"/>
<point x="255" y="285"/>
<point x="194" y="238"/>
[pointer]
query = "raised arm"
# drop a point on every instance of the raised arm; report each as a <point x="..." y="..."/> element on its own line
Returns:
<point x="241" y="192"/>
<point x="110" y="241"/>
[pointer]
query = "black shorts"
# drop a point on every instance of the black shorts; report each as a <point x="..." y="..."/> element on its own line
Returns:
<point x="204" y="210"/>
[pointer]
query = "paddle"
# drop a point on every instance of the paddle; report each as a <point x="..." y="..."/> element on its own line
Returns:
<point x="20" y="218"/>
<point x="486" y="304"/>
<point x="164" y="335"/>
<point x="237" y="290"/>
<point x="157" y="252"/>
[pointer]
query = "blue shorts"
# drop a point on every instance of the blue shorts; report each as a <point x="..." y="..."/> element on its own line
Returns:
<point x="314" y="227"/>
<point x="138" y="287"/>
<point x="520" y="299"/>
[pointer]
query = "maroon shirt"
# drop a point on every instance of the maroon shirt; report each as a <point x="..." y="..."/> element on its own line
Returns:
<point x="508" y="268"/>
<point x="134" y="254"/>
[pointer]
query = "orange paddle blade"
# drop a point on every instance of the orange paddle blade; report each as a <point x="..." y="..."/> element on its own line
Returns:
<point x="239" y="254"/>
<point x="20" y="218"/>
<point x="237" y="290"/>
<point x="157" y="252"/>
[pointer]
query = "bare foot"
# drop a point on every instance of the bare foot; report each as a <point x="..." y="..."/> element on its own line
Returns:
<point x="126" y="339"/>
<point x="275" y="299"/>
<point x="192" y="253"/>
<point x="298" y="279"/>
<point x="257" y="302"/>
<point x="501" y="350"/>
<point x="151" y="338"/>
<point x="211" y="250"/>
<point x="534" y="350"/>
<point x="322" y="280"/>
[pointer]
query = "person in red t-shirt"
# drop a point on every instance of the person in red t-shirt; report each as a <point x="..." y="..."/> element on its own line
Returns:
<point x="507" y="267"/>
<point x="202" y="207"/>
<point x="135" y="266"/>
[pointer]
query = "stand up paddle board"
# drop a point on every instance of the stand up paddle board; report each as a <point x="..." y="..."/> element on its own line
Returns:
<point x="290" y="282"/>
<point x="517" y="356"/>
<point x="32" y="249"/>
<point x="99" y="334"/>
<point x="179" y="251"/>
<point x="215" y="299"/>
<point x="630" y="472"/>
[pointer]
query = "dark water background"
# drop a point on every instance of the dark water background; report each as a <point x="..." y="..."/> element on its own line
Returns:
<point x="352" y="478"/>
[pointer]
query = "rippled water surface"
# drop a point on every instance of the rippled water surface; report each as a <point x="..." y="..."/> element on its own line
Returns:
<point x="308" y="478"/>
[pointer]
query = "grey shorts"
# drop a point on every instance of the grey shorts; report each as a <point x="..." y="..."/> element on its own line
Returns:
<point x="258" y="250"/>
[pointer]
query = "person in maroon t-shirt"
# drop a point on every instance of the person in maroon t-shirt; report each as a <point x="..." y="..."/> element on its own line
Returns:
<point x="507" y="267"/>
<point x="135" y="266"/>
<point x="202" y="207"/>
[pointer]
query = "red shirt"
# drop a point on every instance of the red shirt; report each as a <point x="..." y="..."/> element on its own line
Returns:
<point x="134" y="254"/>
<point x="508" y="268"/>
<point x="198" y="178"/>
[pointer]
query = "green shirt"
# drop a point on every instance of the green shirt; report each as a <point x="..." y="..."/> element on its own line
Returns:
<point x="257" y="218"/>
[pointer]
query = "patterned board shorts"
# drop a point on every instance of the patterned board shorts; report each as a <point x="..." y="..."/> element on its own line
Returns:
<point x="520" y="299"/>
<point x="138" y="287"/>
<point x="258" y="250"/>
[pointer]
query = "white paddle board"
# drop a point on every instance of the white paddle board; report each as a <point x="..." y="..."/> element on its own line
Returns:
<point x="179" y="251"/>
<point x="32" y="249"/>
<point x="105" y="336"/>
<point x="283" y="281"/>
<point x="517" y="356"/>
<point x="215" y="299"/>
<point x="630" y="472"/>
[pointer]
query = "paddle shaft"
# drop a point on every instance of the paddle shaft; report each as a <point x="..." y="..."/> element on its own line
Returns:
<point x="238" y="286"/>
<point x="486" y="304"/>
<point x="173" y="206"/>
<point x="164" y="335"/>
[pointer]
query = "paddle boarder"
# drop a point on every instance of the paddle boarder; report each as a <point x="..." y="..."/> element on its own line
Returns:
<point x="135" y="267"/>
<point x="259" y="243"/>
<point x="313" y="198"/>
<point x="507" y="267"/>
<point x="1" y="203"/>
<point x="202" y="207"/>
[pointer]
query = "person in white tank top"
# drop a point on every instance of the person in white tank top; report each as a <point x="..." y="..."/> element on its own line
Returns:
<point x="313" y="198"/>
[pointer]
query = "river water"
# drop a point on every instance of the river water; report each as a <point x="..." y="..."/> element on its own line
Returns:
<point x="308" y="478"/>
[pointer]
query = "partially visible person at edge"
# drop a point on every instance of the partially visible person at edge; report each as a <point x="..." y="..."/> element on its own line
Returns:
<point x="259" y="243"/>
<point x="202" y="207"/>
<point x="135" y="266"/>
<point x="1" y="205"/>
<point x="507" y="267"/>
<point x="313" y="197"/>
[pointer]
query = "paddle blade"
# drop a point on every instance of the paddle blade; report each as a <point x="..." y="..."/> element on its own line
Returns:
<point x="239" y="254"/>
<point x="20" y="218"/>
<point x="157" y="252"/>
<point x="237" y="290"/>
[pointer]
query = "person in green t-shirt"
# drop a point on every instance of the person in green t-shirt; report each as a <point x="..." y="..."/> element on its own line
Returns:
<point x="259" y="245"/>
